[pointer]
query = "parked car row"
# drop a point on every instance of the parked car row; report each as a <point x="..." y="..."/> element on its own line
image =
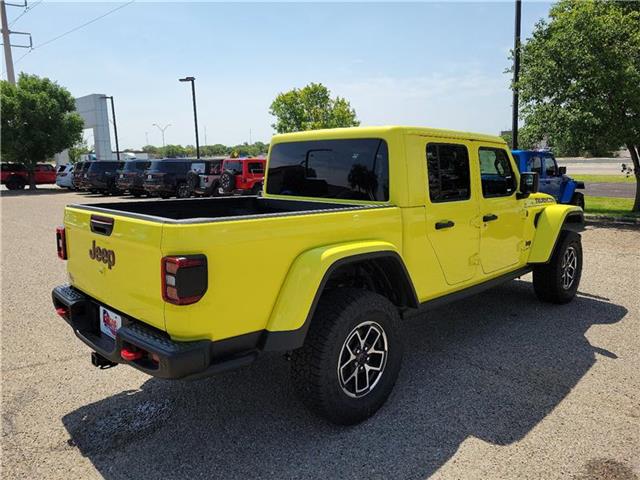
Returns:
<point x="167" y="177"/>
<point x="16" y="176"/>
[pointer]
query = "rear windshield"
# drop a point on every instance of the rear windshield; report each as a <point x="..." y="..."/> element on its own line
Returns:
<point x="133" y="166"/>
<point x="164" y="166"/>
<point x="99" y="167"/>
<point x="353" y="169"/>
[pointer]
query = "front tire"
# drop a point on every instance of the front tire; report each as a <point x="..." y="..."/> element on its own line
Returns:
<point x="558" y="280"/>
<point x="578" y="200"/>
<point x="351" y="357"/>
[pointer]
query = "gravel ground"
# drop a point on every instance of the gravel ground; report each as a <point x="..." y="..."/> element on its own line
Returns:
<point x="495" y="386"/>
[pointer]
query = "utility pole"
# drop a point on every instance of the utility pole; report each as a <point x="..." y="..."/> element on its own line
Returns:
<point x="115" y="127"/>
<point x="162" y="129"/>
<point x="195" y="111"/>
<point x="6" y="43"/>
<point x="205" y="135"/>
<point x="516" y="75"/>
<point x="250" y="137"/>
<point x="146" y="136"/>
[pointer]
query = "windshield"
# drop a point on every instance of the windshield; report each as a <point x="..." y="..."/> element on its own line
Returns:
<point x="163" y="166"/>
<point x="135" y="166"/>
<point x="100" y="167"/>
<point x="354" y="169"/>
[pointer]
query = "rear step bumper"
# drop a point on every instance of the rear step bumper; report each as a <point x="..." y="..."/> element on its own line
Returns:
<point x="163" y="357"/>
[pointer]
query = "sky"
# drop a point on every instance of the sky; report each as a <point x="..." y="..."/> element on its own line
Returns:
<point x="437" y="64"/>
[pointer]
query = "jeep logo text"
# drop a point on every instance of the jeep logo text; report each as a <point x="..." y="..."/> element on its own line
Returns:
<point x="102" y="255"/>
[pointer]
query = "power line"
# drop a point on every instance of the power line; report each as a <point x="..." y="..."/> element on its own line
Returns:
<point x="75" y="29"/>
<point x="26" y="10"/>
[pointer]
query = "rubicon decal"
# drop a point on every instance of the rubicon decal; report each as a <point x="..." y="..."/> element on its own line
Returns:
<point x="102" y="255"/>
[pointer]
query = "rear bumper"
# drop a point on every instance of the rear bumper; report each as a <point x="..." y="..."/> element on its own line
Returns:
<point x="158" y="188"/>
<point x="164" y="358"/>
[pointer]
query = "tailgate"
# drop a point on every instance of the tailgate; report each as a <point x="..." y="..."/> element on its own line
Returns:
<point x="117" y="266"/>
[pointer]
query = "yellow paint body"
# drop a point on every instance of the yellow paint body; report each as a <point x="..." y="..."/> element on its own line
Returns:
<point x="264" y="272"/>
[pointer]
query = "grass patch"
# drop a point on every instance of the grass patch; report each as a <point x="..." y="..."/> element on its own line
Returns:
<point x="617" y="207"/>
<point x="617" y="178"/>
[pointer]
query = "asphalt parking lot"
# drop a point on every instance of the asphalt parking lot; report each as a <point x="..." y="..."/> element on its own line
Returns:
<point x="495" y="386"/>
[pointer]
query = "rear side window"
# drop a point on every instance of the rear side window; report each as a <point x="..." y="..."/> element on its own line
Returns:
<point x="255" y="167"/>
<point x="352" y="169"/>
<point x="549" y="166"/>
<point x="535" y="164"/>
<point x="198" y="167"/>
<point x="448" y="171"/>
<point x="496" y="173"/>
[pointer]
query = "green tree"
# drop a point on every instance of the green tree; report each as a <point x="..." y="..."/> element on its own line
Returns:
<point x="38" y="121"/>
<point x="150" y="149"/>
<point x="78" y="149"/>
<point x="173" y="151"/>
<point x="580" y="79"/>
<point x="311" y="108"/>
<point x="507" y="137"/>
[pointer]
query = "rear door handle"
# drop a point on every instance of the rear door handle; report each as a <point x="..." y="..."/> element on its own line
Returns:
<point x="444" y="224"/>
<point x="489" y="218"/>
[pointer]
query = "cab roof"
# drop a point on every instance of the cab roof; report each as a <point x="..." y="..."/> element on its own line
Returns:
<point x="362" y="132"/>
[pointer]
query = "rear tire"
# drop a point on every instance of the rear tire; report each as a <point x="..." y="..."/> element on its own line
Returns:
<point x="578" y="200"/>
<point x="351" y="357"/>
<point x="558" y="280"/>
<point x="227" y="182"/>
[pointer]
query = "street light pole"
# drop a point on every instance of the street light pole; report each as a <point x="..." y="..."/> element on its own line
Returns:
<point x="6" y="42"/>
<point x="195" y="111"/>
<point x="162" y="129"/>
<point x="516" y="75"/>
<point x="115" y="126"/>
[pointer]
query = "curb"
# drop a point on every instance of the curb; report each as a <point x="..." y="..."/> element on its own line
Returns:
<point x="611" y="220"/>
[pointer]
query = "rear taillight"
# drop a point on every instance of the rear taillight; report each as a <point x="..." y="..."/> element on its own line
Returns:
<point x="184" y="278"/>
<point x="61" y="243"/>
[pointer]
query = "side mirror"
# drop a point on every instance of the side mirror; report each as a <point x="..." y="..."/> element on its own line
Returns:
<point x="528" y="184"/>
<point x="562" y="170"/>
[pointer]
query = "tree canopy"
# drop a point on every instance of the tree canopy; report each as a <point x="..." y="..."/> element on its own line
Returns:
<point x="580" y="79"/>
<point x="242" y="150"/>
<point x="38" y="120"/>
<point x="311" y="108"/>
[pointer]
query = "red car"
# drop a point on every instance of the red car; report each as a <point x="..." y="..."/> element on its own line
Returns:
<point x="244" y="176"/>
<point x="15" y="175"/>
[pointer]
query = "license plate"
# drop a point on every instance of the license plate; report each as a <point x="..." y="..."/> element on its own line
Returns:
<point x="149" y="177"/>
<point x="110" y="322"/>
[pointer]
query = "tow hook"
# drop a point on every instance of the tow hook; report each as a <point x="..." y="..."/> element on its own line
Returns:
<point x="99" y="361"/>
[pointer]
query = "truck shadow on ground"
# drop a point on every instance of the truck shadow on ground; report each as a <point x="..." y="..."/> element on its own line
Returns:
<point x="490" y="367"/>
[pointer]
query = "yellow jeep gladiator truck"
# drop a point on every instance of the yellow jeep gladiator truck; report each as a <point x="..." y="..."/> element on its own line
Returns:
<point x="357" y="229"/>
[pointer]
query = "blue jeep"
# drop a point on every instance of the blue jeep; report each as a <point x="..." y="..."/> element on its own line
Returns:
<point x="553" y="179"/>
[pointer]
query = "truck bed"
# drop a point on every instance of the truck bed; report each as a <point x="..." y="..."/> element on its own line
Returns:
<point x="204" y="210"/>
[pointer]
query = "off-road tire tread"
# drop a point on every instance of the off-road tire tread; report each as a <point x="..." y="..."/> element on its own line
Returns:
<point x="311" y="382"/>
<point x="546" y="278"/>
